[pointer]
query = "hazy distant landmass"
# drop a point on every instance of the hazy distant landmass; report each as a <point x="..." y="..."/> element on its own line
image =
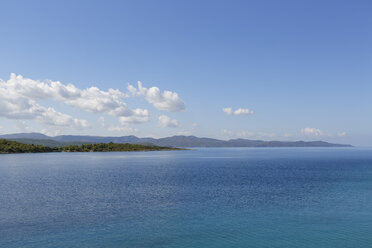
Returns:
<point x="174" y="141"/>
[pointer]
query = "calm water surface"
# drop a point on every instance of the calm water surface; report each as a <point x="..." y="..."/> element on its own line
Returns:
<point x="297" y="197"/>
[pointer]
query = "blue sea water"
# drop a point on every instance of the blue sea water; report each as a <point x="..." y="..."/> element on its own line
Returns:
<point x="215" y="197"/>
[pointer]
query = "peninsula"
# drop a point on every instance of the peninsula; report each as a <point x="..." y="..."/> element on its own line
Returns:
<point x="8" y="146"/>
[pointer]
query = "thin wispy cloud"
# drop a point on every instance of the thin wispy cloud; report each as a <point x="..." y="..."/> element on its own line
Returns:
<point x="239" y="111"/>
<point x="315" y="132"/>
<point x="138" y="116"/>
<point x="166" y="121"/>
<point x="304" y="132"/>
<point x="116" y="128"/>
<point x="311" y="131"/>
<point x="342" y="134"/>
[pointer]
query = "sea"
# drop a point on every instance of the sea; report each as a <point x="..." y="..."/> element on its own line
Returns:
<point x="203" y="197"/>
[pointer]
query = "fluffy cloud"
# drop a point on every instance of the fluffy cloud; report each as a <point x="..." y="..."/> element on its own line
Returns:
<point x="54" y="118"/>
<point x="91" y="99"/>
<point x="15" y="105"/>
<point x="18" y="98"/>
<point x="239" y="111"/>
<point x="311" y="131"/>
<point x="165" y="121"/>
<point x="168" y="101"/>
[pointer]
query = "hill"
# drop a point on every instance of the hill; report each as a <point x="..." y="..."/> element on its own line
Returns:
<point x="48" y="142"/>
<point x="174" y="141"/>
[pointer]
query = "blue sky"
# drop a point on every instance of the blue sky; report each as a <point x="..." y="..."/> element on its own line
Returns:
<point x="302" y="67"/>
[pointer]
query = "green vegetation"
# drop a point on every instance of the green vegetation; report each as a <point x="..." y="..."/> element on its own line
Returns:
<point x="113" y="147"/>
<point x="7" y="146"/>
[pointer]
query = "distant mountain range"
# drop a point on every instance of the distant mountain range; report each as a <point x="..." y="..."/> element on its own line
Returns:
<point x="174" y="141"/>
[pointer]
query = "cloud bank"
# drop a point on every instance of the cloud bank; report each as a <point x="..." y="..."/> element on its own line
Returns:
<point x="18" y="98"/>
<point x="17" y="102"/>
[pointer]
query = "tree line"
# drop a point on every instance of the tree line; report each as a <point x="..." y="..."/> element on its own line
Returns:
<point x="7" y="146"/>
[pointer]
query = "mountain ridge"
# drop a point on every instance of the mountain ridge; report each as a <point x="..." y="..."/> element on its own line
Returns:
<point x="173" y="141"/>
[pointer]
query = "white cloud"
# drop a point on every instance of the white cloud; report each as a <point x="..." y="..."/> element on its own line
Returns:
<point x="245" y="134"/>
<point x="168" y="101"/>
<point x="342" y="134"/>
<point x="239" y="111"/>
<point x="113" y="128"/>
<point x="138" y="116"/>
<point x="22" y="126"/>
<point x="14" y="105"/>
<point x="311" y="131"/>
<point x="227" y="111"/>
<point x="50" y="133"/>
<point x="184" y="132"/>
<point x="288" y="135"/>
<point x="91" y="99"/>
<point x="258" y="135"/>
<point x="243" y="111"/>
<point x="54" y="118"/>
<point x="226" y="132"/>
<point x="317" y="132"/>
<point x="189" y="130"/>
<point x="165" y="121"/>
<point x="18" y="98"/>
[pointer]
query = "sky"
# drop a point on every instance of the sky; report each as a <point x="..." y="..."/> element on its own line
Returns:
<point x="270" y="70"/>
